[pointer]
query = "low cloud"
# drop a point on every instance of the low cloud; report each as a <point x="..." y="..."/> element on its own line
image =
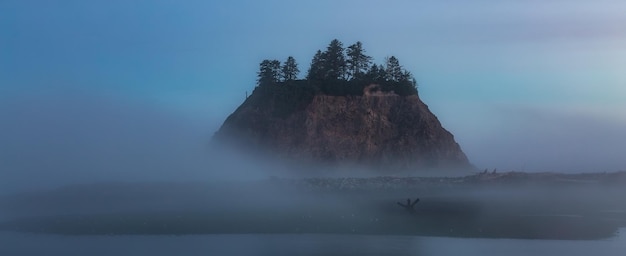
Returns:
<point x="76" y="136"/>
<point x="534" y="139"/>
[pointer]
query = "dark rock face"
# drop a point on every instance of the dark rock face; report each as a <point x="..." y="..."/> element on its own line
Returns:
<point x="382" y="131"/>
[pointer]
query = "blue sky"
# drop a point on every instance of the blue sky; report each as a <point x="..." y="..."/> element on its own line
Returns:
<point x="525" y="85"/>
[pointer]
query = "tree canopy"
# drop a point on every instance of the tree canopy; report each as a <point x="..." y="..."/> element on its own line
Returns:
<point x="357" y="63"/>
<point x="269" y="71"/>
<point x="334" y="61"/>
<point x="316" y="71"/>
<point x="289" y="70"/>
<point x="340" y="71"/>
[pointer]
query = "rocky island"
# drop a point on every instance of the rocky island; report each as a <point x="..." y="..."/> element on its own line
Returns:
<point x="347" y="111"/>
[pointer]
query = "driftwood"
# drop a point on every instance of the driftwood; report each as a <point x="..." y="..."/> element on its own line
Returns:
<point x="410" y="207"/>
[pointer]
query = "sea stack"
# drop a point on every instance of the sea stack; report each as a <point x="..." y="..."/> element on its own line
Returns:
<point x="383" y="131"/>
<point x="347" y="111"/>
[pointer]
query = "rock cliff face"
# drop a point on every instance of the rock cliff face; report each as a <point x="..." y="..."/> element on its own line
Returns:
<point x="382" y="131"/>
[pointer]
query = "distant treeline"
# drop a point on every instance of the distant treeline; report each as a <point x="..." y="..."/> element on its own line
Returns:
<point x="340" y="71"/>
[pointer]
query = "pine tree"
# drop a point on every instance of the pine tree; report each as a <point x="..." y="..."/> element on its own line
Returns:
<point x="393" y="69"/>
<point x="372" y="73"/>
<point x="376" y="74"/>
<point x="289" y="70"/>
<point x="357" y="62"/>
<point x="334" y="61"/>
<point x="316" y="70"/>
<point x="269" y="71"/>
<point x="407" y="77"/>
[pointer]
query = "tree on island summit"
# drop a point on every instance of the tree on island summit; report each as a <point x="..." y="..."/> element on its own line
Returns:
<point x="289" y="70"/>
<point x="403" y="81"/>
<point x="357" y="62"/>
<point x="334" y="61"/>
<point x="393" y="69"/>
<point x="396" y="73"/>
<point x="376" y="73"/>
<point x="269" y="71"/>
<point x="316" y="71"/>
<point x="339" y="72"/>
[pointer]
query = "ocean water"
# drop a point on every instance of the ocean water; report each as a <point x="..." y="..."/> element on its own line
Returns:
<point x="13" y="243"/>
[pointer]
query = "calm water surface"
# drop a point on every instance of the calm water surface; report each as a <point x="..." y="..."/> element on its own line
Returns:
<point x="290" y="244"/>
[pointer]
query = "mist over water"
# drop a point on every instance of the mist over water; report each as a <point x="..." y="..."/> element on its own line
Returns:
<point x="54" y="137"/>
<point x="540" y="139"/>
<point x="58" y="137"/>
